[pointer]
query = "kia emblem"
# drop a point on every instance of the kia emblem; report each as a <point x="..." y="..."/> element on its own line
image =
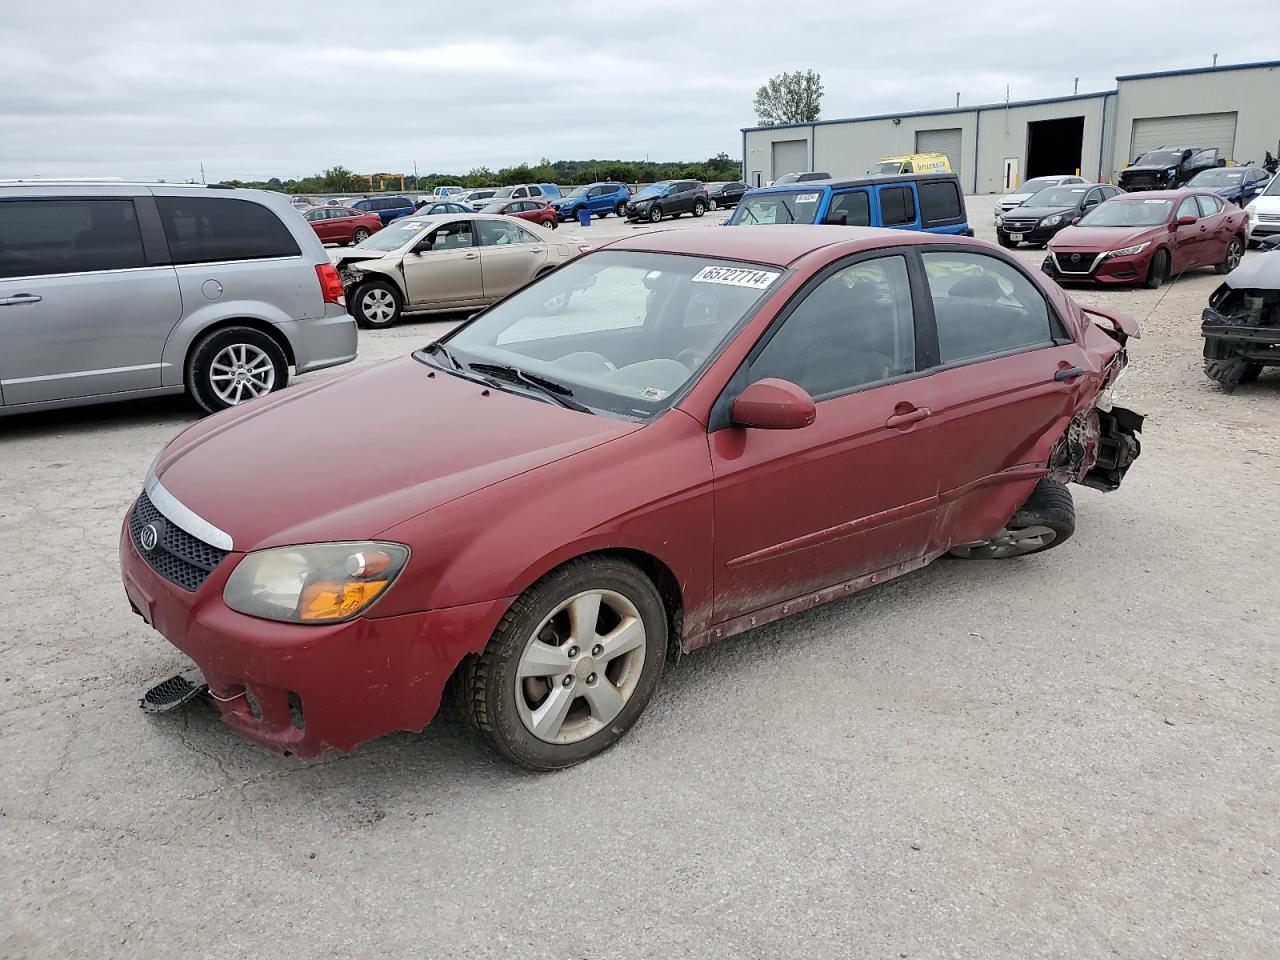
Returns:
<point x="149" y="537"/>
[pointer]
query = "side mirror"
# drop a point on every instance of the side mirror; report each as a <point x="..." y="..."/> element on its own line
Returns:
<point x="1186" y="221"/>
<point x="840" y="219"/>
<point x="422" y="246"/>
<point x="773" y="404"/>
<point x="1074" y="221"/>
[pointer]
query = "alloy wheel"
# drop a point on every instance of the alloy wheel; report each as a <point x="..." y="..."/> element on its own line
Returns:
<point x="360" y="236"/>
<point x="1235" y="250"/>
<point x="241" y="372"/>
<point x="1008" y="543"/>
<point x="580" y="667"/>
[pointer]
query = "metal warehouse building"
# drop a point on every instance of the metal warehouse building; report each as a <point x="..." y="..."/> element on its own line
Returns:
<point x="996" y="146"/>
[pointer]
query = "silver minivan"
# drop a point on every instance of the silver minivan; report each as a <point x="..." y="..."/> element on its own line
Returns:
<point x="111" y="290"/>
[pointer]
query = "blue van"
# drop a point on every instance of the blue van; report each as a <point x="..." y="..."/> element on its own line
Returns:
<point x="932" y="202"/>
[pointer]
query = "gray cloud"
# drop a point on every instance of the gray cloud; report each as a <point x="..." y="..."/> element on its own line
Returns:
<point x="149" y="89"/>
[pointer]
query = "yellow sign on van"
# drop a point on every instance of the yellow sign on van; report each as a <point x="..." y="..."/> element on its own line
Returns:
<point x="913" y="163"/>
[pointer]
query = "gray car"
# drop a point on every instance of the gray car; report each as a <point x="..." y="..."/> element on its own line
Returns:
<point x="112" y="290"/>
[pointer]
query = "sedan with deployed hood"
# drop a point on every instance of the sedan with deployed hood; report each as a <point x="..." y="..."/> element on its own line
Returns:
<point x="727" y="428"/>
<point x="436" y="264"/>
<point x="1039" y="218"/>
<point x="1149" y="238"/>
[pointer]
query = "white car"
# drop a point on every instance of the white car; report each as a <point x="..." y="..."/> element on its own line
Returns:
<point x="1264" y="212"/>
<point x="1030" y="189"/>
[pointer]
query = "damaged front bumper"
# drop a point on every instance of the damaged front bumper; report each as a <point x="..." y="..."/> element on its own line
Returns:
<point x="1241" y="336"/>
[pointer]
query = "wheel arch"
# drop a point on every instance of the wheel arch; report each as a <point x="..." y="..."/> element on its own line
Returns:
<point x="197" y="336"/>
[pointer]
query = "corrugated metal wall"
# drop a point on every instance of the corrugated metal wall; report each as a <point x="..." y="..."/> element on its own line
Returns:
<point x="849" y="149"/>
<point x="1003" y="133"/>
<point x="1195" y="130"/>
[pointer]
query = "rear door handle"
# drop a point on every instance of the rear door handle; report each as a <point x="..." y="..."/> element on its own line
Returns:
<point x="914" y="415"/>
<point x="1070" y="373"/>
<point x="20" y="298"/>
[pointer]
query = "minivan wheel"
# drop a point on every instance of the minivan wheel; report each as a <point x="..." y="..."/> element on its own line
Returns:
<point x="571" y="665"/>
<point x="234" y="365"/>
<point x="1047" y="519"/>
<point x="377" y="304"/>
<point x="655" y="214"/>
<point x="360" y="235"/>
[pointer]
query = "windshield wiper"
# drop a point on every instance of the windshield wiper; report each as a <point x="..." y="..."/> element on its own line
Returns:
<point x="791" y="214"/>
<point x="556" y="392"/>
<point x="747" y="211"/>
<point x="440" y="348"/>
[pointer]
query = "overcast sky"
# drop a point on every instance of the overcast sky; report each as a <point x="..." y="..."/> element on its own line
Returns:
<point x="141" y="89"/>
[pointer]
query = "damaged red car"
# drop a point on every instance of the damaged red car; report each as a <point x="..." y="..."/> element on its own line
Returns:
<point x="720" y="428"/>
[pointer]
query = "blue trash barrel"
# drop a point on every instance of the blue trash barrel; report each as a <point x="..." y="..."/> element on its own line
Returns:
<point x="584" y="217"/>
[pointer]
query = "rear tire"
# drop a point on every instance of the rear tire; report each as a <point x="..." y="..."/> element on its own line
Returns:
<point x="360" y="235"/>
<point x="1045" y="520"/>
<point x="1158" y="270"/>
<point x="542" y="657"/>
<point x="621" y="208"/>
<point x="1235" y="250"/>
<point x="233" y="365"/>
<point x="377" y="304"/>
<point x="699" y="208"/>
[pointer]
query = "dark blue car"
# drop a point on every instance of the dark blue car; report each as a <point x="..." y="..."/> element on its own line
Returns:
<point x="601" y="199"/>
<point x="932" y="202"/>
<point x="387" y="208"/>
<point x="1237" y="184"/>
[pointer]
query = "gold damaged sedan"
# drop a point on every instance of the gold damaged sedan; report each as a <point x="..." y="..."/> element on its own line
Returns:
<point x="445" y="263"/>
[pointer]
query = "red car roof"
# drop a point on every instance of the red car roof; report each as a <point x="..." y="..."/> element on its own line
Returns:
<point x="774" y="245"/>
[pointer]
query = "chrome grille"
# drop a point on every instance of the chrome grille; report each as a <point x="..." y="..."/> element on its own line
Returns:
<point x="177" y="556"/>
<point x="1019" y="226"/>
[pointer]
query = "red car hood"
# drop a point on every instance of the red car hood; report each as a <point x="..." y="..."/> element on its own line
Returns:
<point x="349" y="457"/>
<point x="1102" y="238"/>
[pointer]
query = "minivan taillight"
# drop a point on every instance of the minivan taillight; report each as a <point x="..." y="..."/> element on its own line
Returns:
<point x="330" y="284"/>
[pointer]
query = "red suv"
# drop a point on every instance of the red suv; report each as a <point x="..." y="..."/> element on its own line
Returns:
<point x="721" y="428"/>
<point x="342" y="225"/>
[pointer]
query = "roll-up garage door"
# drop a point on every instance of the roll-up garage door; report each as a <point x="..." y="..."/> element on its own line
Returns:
<point x="1193" y="130"/>
<point x="790" y="156"/>
<point x="941" y="141"/>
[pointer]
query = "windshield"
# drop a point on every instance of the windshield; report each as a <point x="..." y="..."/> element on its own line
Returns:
<point x="625" y="331"/>
<point x="1128" y="213"/>
<point x="396" y="235"/>
<point x="659" y="189"/>
<point x="496" y="207"/>
<point x="1273" y="188"/>
<point x="1036" y="185"/>
<point x="789" y="206"/>
<point x="504" y="192"/>
<point x="885" y="166"/>
<point x="1161" y="157"/>
<point x="580" y="192"/>
<point x="1057" y="197"/>
<point x="1217" y="178"/>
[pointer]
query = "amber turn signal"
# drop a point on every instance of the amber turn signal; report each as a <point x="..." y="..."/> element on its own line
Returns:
<point x="327" y="600"/>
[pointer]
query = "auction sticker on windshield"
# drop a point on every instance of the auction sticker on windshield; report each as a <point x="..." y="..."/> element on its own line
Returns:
<point x="736" y="277"/>
<point x="807" y="198"/>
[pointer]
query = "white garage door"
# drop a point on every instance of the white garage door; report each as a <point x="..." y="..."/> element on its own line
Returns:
<point x="790" y="156"/>
<point x="941" y="141"/>
<point x="1193" y="130"/>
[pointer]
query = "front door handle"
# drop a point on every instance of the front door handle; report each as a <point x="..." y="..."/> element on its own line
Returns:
<point x="470" y="256"/>
<point x="1069" y="373"/>
<point x="18" y="299"/>
<point x="535" y="250"/>
<point x="908" y="417"/>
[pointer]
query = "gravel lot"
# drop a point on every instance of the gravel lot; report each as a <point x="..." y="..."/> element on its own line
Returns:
<point x="1072" y="755"/>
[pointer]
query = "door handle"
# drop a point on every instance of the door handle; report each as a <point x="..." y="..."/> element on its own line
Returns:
<point x="914" y="415"/>
<point x="1068" y="373"/>
<point x="470" y="256"/>
<point x="535" y="250"/>
<point x="18" y="299"/>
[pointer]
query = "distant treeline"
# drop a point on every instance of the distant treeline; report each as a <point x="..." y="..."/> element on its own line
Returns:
<point x="563" y="172"/>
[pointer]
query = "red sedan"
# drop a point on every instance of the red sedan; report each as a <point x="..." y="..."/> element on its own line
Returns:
<point x="533" y="210"/>
<point x="1149" y="238"/>
<point x="719" y="428"/>
<point x="342" y="225"/>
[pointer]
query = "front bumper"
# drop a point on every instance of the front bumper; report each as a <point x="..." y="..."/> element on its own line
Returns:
<point x="1095" y="267"/>
<point x="1263" y="228"/>
<point x="1033" y="234"/>
<point x="303" y="689"/>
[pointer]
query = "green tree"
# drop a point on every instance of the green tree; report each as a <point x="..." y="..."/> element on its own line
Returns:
<point x="790" y="98"/>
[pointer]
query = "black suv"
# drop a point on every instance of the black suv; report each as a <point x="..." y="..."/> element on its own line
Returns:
<point x="1169" y="167"/>
<point x="668" y="198"/>
<point x="1043" y="214"/>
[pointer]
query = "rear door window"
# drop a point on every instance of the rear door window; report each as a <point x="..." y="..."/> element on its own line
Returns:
<point x="209" y="229"/>
<point x="1208" y="205"/>
<point x="939" y="202"/>
<point x="983" y="307"/>
<point x="897" y="206"/>
<point x="41" y="237"/>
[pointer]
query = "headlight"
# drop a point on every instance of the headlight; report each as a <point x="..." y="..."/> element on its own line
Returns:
<point x="1172" y="171"/>
<point x="1129" y="251"/>
<point x="999" y="220"/>
<point x="1051" y="221"/>
<point x="314" y="583"/>
<point x="1252" y="211"/>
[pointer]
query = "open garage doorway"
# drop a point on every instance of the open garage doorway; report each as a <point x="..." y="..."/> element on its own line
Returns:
<point x="1054" y="146"/>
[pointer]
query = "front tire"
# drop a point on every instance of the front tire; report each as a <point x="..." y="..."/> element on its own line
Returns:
<point x="234" y="365"/>
<point x="1047" y="519"/>
<point x="655" y="214"/>
<point x="713" y="205"/>
<point x="1158" y="270"/>
<point x="571" y="665"/>
<point x="360" y="235"/>
<point x="1235" y="250"/>
<point x="621" y="208"/>
<point x="377" y="304"/>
